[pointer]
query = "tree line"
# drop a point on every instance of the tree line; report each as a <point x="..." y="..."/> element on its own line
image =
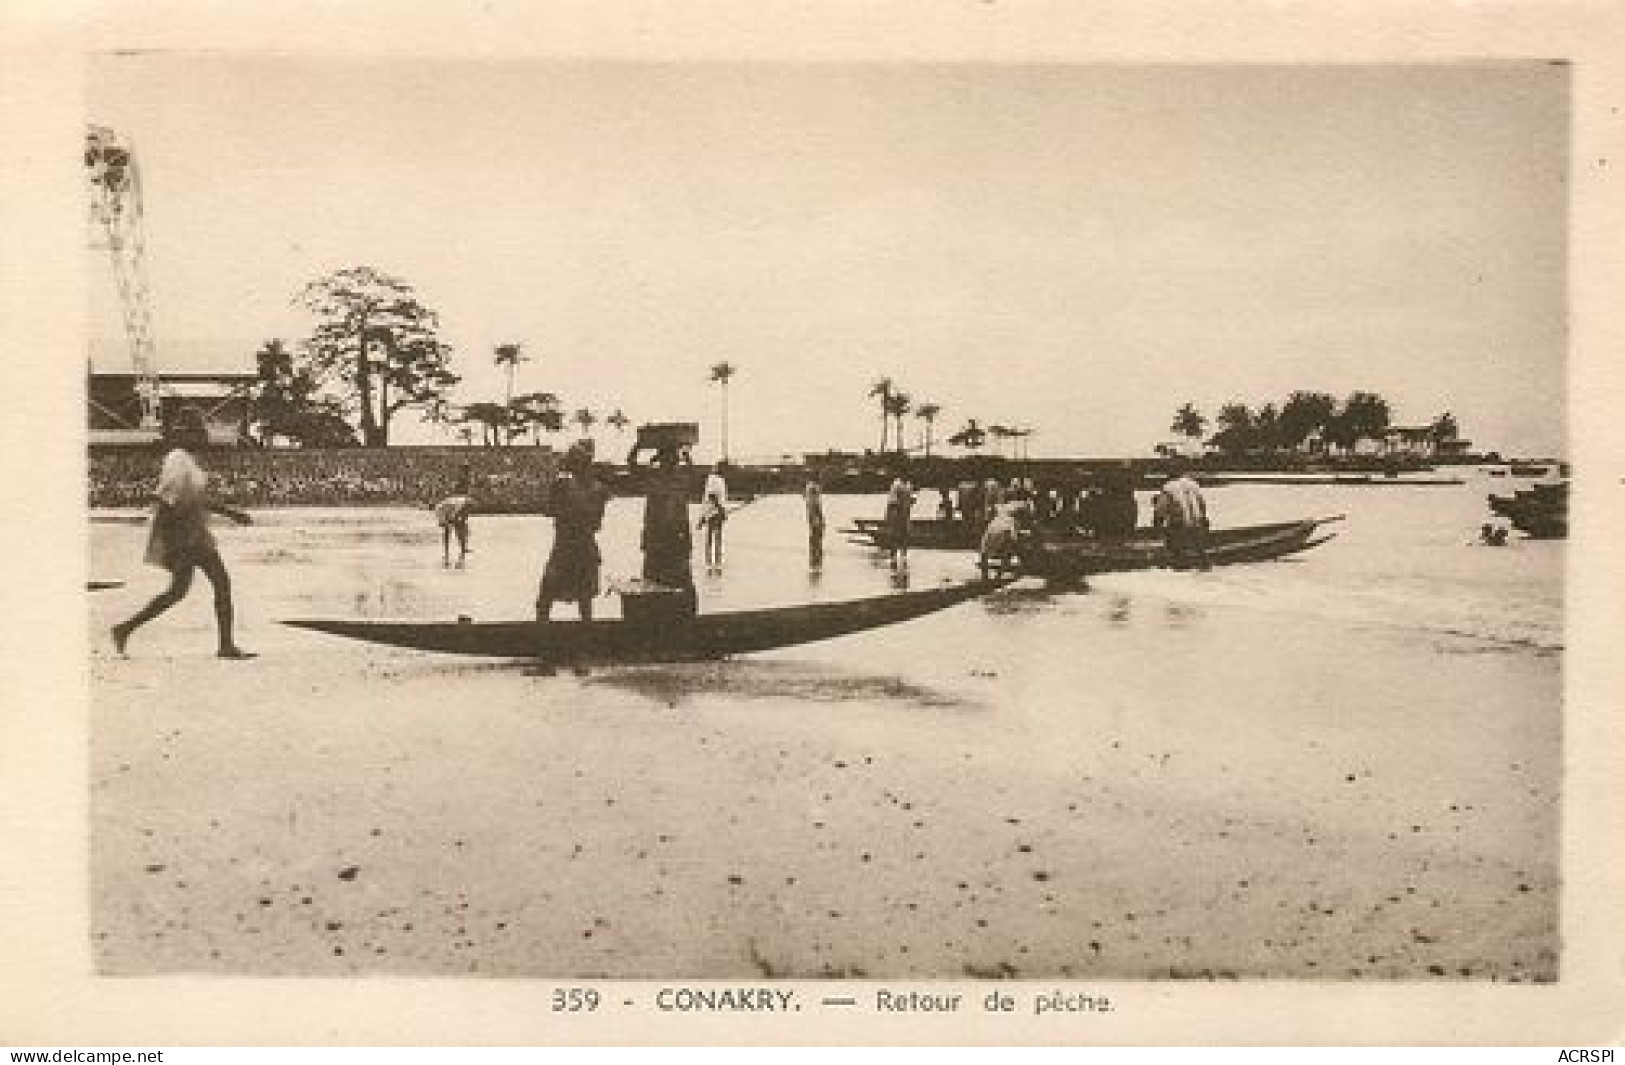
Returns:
<point x="896" y="404"/>
<point x="374" y="352"/>
<point x="1305" y="420"/>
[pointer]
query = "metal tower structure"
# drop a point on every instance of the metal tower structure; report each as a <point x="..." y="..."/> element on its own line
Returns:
<point x="117" y="225"/>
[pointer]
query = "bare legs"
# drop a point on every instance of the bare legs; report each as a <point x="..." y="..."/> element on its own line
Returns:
<point x="460" y="529"/>
<point x="180" y="582"/>
<point x="713" y="545"/>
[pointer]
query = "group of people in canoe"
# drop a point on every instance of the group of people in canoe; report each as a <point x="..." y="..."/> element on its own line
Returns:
<point x="1000" y="516"/>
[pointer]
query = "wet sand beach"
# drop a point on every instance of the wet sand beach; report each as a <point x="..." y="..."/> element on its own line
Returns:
<point x="1343" y="767"/>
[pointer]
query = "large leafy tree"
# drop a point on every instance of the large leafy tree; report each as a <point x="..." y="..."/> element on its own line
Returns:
<point x="1365" y="416"/>
<point x="377" y="343"/>
<point x="1236" y="433"/>
<point x="288" y="404"/>
<point x="1267" y="428"/>
<point x="1303" y="415"/>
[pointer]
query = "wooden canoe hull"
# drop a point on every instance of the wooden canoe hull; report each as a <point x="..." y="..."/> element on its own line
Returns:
<point x="1254" y="543"/>
<point x="617" y="642"/>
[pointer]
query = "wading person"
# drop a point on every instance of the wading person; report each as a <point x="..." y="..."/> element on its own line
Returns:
<point x="452" y="514"/>
<point x="1001" y="540"/>
<point x="180" y="540"/>
<point x="814" y="496"/>
<point x="713" y="515"/>
<point x="1181" y="512"/>
<point x="576" y="504"/>
<point x="899" y="512"/>
<point x="667" y="545"/>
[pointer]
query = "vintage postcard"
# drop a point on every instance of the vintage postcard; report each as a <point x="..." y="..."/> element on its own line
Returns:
<point x="937" y="524"/>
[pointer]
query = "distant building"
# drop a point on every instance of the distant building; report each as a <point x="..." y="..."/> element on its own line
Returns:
<point x="215" y="376"/>
<point x="1420" y="441"/>
<point x="223" y="399"/>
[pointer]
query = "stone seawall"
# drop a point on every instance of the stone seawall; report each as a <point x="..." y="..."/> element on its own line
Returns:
<point x="504" y="478"/>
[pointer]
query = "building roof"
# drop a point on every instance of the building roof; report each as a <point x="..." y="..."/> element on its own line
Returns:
<point x="176" y="356"/>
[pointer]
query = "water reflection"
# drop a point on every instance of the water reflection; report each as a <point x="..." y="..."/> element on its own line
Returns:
<point x="677" y="685"/>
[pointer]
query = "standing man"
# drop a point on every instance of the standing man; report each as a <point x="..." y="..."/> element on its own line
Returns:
<point x="713" y="515"/>
<point x="576" y="503"/>
<point x="899" y="514"/>
<point x="814" y="495"/>
<point x="180" y="540"/>
<point x="1181" y="512"/>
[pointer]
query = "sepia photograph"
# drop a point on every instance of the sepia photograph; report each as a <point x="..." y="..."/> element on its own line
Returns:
<point x="826" y="535"/>
<point x="715" y="521"/>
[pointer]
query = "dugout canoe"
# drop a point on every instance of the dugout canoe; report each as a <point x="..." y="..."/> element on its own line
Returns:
<point x="1073" y="557"/>
<point x="612" y="641"/>
<point x="945" y="534"/>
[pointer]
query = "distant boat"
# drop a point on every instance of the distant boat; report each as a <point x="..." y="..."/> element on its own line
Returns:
<point x="1540" y="512"/>
<point x="1147" y="549"/>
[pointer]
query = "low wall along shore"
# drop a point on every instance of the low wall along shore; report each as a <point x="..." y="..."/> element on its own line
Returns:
<point x="504" y="478"/>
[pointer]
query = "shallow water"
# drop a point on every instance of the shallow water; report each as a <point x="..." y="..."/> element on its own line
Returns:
<point x="1344" y="764"/>
<point x="1404" y="559"/>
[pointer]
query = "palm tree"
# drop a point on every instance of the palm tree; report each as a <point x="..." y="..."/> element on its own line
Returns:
<point x="493" y="418"/>
<point x="883" y="389"/>
<point x="1021" y="436"/>
<point x="1188" y="421"/>
<point x="586" y="419"/>
<point x="721" y="372"/>
<point x="509" y="355"/>
<point x="530" y="411"/>
<point x="927" y="412"/>
<point x="970" y="436"/>
<point x="897" y="405"/>
<point x="1000" y="433"/>
<point x="618" y="421"/>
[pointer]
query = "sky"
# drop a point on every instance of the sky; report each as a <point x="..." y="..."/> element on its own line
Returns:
<point x="1079" y="249"/>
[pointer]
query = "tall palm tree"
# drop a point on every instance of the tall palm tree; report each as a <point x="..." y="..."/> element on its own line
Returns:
<point x="1000" y="433"/>
<point x="511" y="356"/>
<point x="586" y="419"/>
<point x="899" y="404"/>
<point x="721" y="373"/>
<point x="618" y="421"/>
<point x="883" y="389"/>
<point x="927" y="412"/>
